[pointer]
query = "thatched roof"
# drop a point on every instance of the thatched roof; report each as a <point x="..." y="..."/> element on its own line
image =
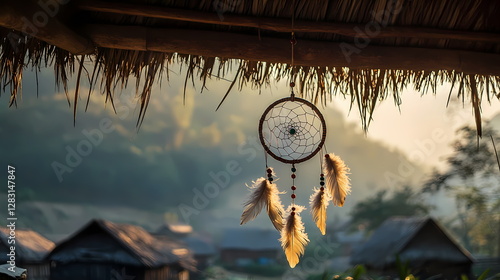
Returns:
<point x="145" y="248"/>
<point x="365" y="50"/>
<point x="416" y="240"/>
<point x="31" y="247"/>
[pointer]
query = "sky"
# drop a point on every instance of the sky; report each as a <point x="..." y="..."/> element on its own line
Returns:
<point x="193" y="162"/>
<point x="423" y="127"/>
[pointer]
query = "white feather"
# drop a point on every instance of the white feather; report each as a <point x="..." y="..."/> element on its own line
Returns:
<point x="264" y="193"/>
<point x="337" y="181"/>
<point x="293" y="236"/>
<point x="319" y="202"/>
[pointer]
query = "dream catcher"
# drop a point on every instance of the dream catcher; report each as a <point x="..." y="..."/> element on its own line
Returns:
<point x="292" y="130"/>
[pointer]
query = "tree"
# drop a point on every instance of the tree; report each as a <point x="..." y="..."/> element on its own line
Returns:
<point x="373" y="211"/>
<point x="472" y="178"/>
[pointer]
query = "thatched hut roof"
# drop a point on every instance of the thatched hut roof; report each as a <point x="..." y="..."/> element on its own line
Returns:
<point x="147" y="250"/>
<point x="366" y="50"/>
<point x="31" y="247"/>
<point x="415" y="240"/>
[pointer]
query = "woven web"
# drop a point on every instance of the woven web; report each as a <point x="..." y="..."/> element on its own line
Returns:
<point x="292" y="130"/>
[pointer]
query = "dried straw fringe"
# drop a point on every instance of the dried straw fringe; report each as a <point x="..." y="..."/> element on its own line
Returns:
<point x="114" y="67"/>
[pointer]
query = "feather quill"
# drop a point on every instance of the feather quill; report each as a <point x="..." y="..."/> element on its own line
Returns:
<point x="337" y="181"/>
<point x="264" y="193"/>
<point x="319" y="202"/>
<point x="293" y="236"/>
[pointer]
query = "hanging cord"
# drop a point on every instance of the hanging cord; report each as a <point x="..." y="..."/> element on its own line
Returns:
<point x="293" y="185"/>
<point x="293" y="42"/>
<point x="269" y="172"/>
<point x="265" y="157"/>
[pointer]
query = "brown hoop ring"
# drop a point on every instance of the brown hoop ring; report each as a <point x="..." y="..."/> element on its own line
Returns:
<point x="292" y="99"/>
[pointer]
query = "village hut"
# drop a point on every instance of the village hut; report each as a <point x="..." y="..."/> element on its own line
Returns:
<point x="241" y="247"/>
<point x="9" y="273"/>
<point x="202" y="248"/>
<point x="364" y="50"/>
<point x="30" y="251"/>
<point x="421" y="242"/>
<point x="174" y="230"/>
<point x="106" y="250"/>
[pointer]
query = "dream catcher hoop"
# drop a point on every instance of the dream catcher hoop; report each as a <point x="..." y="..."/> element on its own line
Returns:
<point x="292" y="130"/>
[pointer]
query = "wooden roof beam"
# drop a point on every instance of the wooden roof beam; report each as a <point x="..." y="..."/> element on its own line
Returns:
<point x="284" y="25"/>
<point x="42" y="23"/>
<point x="308" y="53"/>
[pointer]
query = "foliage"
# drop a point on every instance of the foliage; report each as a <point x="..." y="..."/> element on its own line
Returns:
<point x="404" y="270"/>
<point x="360" y="272"/>
<point x="373" y="211"/>
<point x="215" y="273"/>
<point x="355" y="273"/>
<point x="472" y="180"/>
<point x="473" y="159"/>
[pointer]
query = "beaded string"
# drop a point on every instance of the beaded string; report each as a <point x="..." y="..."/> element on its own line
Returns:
<point x="293" y="196"/>
<point x="269" y="174"/>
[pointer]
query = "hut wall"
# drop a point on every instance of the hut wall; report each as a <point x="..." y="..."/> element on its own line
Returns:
<point x="95" y="271"/>
<point x="203" y="261"/>
<point x="480" y="265"/>
<point x="166" y="273"/>
<point x="38" y="271"/>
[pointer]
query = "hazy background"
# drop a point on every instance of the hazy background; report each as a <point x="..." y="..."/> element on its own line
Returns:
<point x="144" y="176"/>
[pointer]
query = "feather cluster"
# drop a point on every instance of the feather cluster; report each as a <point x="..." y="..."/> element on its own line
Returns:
<point x="264" y="194"/>
<point x="337" y="181"/>
<point x="319" y="202"/>
<point x="293" y="236"/>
